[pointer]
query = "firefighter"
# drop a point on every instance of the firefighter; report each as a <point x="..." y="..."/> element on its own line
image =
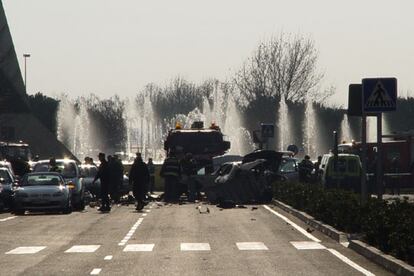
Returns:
<point x="305" y="169"/>
<point x="189" y="169"/>
<point x="171" y="172"/>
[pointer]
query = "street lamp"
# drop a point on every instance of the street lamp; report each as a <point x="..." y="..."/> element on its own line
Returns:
<point x="25" y="59"/>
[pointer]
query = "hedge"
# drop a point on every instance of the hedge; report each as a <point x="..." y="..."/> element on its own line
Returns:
<point x="387" y="225"/>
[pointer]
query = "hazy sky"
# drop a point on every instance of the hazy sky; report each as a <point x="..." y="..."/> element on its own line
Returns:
<point x="107" y="47"/>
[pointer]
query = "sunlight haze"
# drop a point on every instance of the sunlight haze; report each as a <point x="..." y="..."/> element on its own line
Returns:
<point x="117" y="47"/>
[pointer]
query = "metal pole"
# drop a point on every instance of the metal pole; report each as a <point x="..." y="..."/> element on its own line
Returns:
<point x="25" y="63"/>
<point x="364" y="194"/>
<point x="379" y="156"/>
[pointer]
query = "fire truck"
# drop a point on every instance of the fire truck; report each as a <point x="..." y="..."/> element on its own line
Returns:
<point x="397" y="158"/>
<point x="202" y="143"/>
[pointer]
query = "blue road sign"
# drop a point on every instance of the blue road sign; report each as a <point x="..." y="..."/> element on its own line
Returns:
<point x="379" y="94"/>
<point x="268" y="130"/>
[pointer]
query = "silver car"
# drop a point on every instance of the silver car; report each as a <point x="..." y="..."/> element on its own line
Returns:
<point x="41" y="192"/>
<point x="71" y="173"/>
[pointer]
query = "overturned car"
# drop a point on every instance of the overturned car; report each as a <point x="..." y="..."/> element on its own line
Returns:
<point x="242" y="183"/>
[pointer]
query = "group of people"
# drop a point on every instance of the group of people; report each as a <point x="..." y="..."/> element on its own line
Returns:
<point x="111" y="173"/>
<point x="178" y="177"/>
<point x="309" y="171"/>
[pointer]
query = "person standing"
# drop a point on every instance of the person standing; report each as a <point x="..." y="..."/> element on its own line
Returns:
<point x="151" y="169"/>
<point x="189" y="170"/>
<point x="104" y="175"/>
<point x="171" y="172"/>
<point x="139" y="178"/>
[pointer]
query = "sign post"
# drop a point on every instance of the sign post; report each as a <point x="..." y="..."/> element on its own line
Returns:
<point x="379" y="95"/>
<point x="267" y="131"/>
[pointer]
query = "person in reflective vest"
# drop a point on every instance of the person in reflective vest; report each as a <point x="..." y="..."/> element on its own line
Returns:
<point x="171" y="172"/>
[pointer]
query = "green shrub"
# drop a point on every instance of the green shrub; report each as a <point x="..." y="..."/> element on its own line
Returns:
<point x="388" y="226"/>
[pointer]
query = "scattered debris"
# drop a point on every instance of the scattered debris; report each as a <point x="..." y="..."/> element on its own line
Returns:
<point x="309" y="230"/>
<point x="252" y="219"/>
<point x="241" y="206"/>
<point x="254" y="208"/>
<point x="201" y="211"/>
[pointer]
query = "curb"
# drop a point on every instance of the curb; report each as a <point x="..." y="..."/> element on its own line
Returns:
<point x="328" y="230"/>
<point x="373" y="254"/>
<point x="390" y="263"/>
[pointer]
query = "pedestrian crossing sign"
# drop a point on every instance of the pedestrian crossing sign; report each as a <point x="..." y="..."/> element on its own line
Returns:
<point x="268" y="131"/>
<point x="379" y="94"/>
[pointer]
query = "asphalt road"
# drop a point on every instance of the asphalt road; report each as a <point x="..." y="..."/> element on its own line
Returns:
<point x="172" y="240"/>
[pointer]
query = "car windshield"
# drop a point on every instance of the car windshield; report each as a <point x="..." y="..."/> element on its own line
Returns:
<point x="89" y="171"/>
<point x="287" y="166"/>
<point x="41" y="180"/>
<point x="67" y="169"/>
<point x="5" y="177"/>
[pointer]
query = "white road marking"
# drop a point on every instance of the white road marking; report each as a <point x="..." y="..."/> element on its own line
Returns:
<point x="8" y="218"/>
<point x="83" y="249"/>
<point x="108" y="258"/>
<point x="147" y="211"/>
<point x="144" y="215"/>
<point x="345" y="244"/>
<point x="139" y="247"/>
<point x="351" y="263"/>
<point x="131" y="232"/>
<point x="307" y="245"/>
<point x="96" y="271"/>
<point x="26" y="250"/>
<point x="297" y="227"/>
<point x="195" y="247"/>
<point x="251" y="246"/>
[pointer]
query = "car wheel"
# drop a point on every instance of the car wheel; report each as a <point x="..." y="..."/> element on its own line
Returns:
<point x="81" y="205"/>
<point x="68" y="208"/>
<point x="19" y="212"/>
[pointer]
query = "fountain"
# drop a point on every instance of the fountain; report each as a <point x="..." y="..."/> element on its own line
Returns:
<point x="345" y="130"/>
<point x="309" y="125"/>
<point x="283" y="125"/>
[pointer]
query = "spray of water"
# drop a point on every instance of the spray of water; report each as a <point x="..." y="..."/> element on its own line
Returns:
<point x="283" y="125"/>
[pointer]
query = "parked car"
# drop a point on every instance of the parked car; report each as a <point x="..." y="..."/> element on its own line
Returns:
<point x="88" y="173"/>
<point x="343" y="172"/>
<point x="42" y="191"/>
<point x="7" y="181"/>
<point x="71" y="174"/>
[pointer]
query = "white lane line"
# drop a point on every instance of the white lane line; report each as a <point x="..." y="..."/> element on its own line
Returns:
<point x="108" y="258"/>
<point x="297" y="227"/>
<point x="83" y="249"/>
<point x="195" y="247"/>
<point x="26" y="250"/>
<point x="307" y="245"/>
<point x="147" y="211"/>
<point x="144" y="215"/>
<point x="96" y="271"/>
<point x="349" y="262"/>
<point x="8" y="218"/>
<point x="130" y="232"/>
<point x="251" y="246"/>
<point x="139" y="247"/>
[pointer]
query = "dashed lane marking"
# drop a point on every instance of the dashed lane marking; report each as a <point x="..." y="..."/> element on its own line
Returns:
<point x="251" y="246"/>
<point x="139" y="247"/>
<point x="130" y="232"/>
<point x="8" y="218"/>
<point x="144" y="215"/>
<point x="195" y="247"/>
<point x="351" y="263"/>
<point x="307" y="245"/>
<point x="108" y="258"/>
<point x="96" y="271"/>
<point x="297" y="227"/>
<point x="26" y="250"/>
<point x="83" y="249"/>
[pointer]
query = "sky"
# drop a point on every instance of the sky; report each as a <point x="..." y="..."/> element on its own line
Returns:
<point x="108" y="47"/>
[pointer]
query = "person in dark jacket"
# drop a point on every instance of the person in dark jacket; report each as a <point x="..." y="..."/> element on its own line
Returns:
<point x="139" y="178"/>
<point x="189" y="169"/>
<point x="104" y="175"/>
<point x="151" y="169"/>
<point x="171" y="172"/>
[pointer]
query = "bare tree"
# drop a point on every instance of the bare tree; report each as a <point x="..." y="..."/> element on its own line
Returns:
<point x="283" y="66"/>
